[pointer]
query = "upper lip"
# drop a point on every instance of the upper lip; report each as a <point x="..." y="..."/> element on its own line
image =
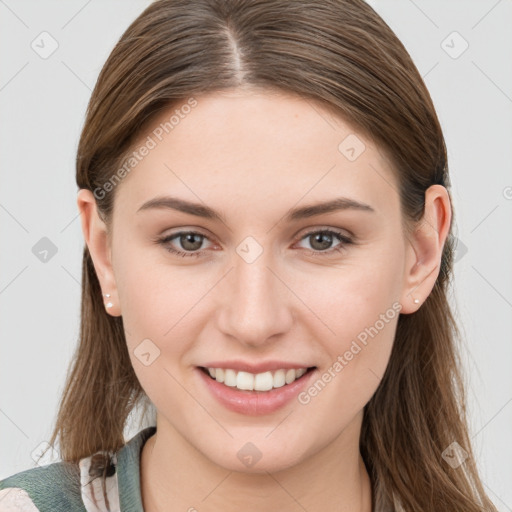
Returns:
<point x="266" y="366"/>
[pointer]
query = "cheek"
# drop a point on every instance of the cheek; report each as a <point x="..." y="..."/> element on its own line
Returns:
<point x="363" y="337"/>
<point x="159" y="324"/>
<point x="358" y="308"/>
<point x="348" y="299"/>
<point x="357" y="357"/>
<point x="159" y="302"/>
<point x="148" y="289"/>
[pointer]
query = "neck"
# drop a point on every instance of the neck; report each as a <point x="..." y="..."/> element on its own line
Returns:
<point x="176" y="476"/>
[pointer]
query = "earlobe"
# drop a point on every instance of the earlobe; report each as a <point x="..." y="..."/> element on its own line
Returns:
<point x="425" y="249"/>
<point x="96" y="237"/>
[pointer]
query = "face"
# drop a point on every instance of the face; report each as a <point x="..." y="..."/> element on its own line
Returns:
<point x="256" y="287"/>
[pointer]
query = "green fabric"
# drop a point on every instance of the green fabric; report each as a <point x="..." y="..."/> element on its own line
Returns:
<point x="128" y="472"/>
<point x="56" y="487"/>
<point x="52" y="487"/>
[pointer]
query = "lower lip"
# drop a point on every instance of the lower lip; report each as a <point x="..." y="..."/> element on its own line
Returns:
<point x="255" y="403"/>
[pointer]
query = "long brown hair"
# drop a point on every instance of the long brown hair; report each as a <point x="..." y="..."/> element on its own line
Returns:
<point x="343" y="56"/>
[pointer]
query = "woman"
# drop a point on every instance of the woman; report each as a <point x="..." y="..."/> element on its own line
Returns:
<point x="264" y="200"/>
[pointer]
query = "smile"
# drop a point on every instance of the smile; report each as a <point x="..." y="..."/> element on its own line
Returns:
<point x="255" y="382"/>
<point x="255" y="394"/>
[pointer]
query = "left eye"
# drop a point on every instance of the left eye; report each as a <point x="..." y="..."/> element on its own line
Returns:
<point x="192" y="241"/>
<point x="324" y="238"/>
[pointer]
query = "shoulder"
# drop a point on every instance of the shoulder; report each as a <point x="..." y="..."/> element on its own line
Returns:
<point x="101" y="482"/>
<point x="52" y="487"/>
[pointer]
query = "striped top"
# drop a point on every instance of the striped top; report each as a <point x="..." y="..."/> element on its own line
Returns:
<point x="68" y="487"/>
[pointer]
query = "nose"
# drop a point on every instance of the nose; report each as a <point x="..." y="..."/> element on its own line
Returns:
<point x="255" y="305"/>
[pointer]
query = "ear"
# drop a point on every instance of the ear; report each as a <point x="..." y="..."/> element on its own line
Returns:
<point x="425" y="249"/>
<point x="98" y="241"/>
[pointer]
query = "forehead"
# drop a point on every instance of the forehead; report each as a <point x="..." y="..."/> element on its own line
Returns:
<point x="253" y="146"/>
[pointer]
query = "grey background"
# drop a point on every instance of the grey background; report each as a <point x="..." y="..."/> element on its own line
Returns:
<point x="42" y="104"/>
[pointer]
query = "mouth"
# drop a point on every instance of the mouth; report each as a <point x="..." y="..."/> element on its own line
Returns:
<point x="255" y="383"/>
<point x="255" y="394"/>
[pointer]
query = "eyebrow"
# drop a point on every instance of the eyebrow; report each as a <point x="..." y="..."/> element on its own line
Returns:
<point x="303" y="212"/>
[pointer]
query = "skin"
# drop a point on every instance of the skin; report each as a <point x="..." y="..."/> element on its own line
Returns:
<point x="253" y="155"/>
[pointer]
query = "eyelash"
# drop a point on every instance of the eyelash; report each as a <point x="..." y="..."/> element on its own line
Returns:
<point x="343" y="238"/>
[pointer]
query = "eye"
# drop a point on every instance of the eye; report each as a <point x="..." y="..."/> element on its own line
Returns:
<point x="321" y="241"/>
<point x="189" y="240"/>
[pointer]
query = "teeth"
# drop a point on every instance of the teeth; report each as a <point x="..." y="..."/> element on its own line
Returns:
<point x="245" y="380"/>
<point x="256" y="382"/>
<point x="229" y="377"/>
<point x="263" y="381"/>
<point x="279" y="379"/>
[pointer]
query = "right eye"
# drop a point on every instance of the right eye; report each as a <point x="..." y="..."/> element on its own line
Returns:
<point x="188" y="241"/>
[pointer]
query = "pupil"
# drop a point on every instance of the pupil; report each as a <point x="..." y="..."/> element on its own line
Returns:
<point x="189" y="238"/>
<point x="326" y="244"/>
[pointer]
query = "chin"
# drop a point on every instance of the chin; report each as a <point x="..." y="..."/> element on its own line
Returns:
<point x="248" y="458"/>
